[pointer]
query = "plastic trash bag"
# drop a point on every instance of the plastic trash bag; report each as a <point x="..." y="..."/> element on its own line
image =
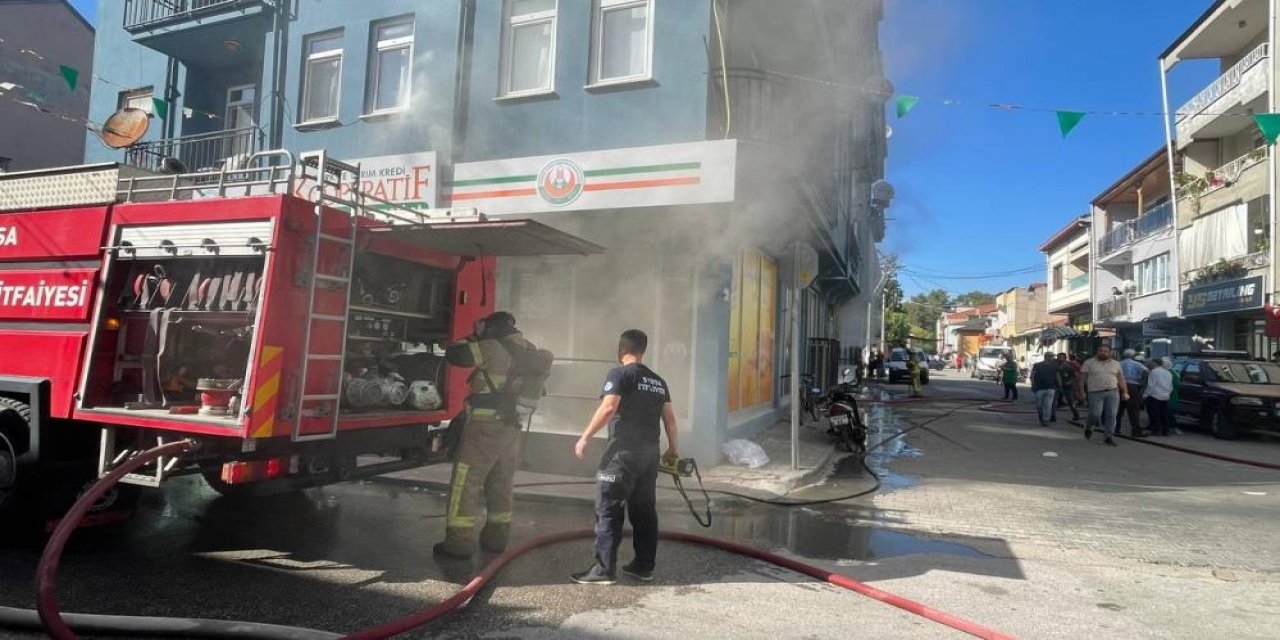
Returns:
<point x="745" y="453"/>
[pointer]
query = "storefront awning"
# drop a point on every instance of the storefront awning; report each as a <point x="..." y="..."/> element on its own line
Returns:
<point x="1053" y="334"/>
<point x="491" y="238"/>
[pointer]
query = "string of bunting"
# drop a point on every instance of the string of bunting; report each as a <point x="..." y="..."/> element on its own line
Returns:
<point x="1067" y="119"/>
<point x="71" y="76"/>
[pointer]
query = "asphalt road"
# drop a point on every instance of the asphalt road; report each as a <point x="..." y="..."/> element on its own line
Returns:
<point x="974" y="518"/>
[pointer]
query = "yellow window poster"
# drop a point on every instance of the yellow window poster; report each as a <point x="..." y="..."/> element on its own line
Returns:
<point x="752" y="330"/>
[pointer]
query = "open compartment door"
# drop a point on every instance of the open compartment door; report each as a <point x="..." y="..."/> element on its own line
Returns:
<point x="491" y="238"/>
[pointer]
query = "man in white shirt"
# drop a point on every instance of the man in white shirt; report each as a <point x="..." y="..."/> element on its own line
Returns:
<point x="1156" y="394"/>
<point x="1102" y="378"/>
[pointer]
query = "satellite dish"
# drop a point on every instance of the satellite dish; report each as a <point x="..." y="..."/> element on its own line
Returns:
<point x="125" y="127"/>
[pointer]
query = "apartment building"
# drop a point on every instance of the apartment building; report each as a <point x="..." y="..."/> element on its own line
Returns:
<point x="698" y="141"/>
<point x="1134" y="283"/>
<point x="55" y="31"/>
<point x="966" y="329"/>
<point x="1022" y="315"/>
<point x="1225" y="178"/>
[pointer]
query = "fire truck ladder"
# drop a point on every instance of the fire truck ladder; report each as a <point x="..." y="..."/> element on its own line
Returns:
<point x="339" y="186"/>
<point x="330" y="175"/>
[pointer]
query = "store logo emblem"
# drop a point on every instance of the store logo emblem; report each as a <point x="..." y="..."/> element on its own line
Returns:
<point x="560" y="182"/>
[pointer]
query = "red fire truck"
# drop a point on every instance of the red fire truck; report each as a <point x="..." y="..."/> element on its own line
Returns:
<point x="299" y="341"/>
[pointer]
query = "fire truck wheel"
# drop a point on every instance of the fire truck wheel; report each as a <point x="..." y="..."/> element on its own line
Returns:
<point x="14" y="420"/>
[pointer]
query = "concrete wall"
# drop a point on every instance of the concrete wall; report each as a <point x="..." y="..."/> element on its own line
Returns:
<point x="669" y="108"/>
<point x="31" y="139"/>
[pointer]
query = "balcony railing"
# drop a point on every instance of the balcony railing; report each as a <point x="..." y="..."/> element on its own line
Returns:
<point x="140" y="15"/>
<point x="1117" y="307"/>
<point x="1154" y="219"/>
<point x="1079" y="282"/>
<point x="200" y="152"/>
<point x="1115" y="239"/>
<point x="1226" y="82"/>
<point x="760" y="105"/>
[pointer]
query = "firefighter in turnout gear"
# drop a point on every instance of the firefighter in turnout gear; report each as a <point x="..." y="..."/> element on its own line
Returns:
<point x="488" y="452"/>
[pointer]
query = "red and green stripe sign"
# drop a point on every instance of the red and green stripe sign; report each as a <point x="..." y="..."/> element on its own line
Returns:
<point x="648" y="176"/>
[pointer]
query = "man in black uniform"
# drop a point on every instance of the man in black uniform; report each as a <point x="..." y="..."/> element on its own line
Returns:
<point x="632" y="401"/>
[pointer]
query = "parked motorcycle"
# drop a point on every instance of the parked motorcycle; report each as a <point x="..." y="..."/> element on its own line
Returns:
<point x="844" y="422"/>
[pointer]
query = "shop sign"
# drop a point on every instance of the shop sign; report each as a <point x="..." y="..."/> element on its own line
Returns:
<point x="663" y="175"/>
<point x="406" y="179"/>
<point x="1222" y="297"/>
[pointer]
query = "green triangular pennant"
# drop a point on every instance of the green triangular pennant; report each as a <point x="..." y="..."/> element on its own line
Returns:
<point x="1269" y="123"/>
<point x="71" y="75"/>
<point x="1067" y="120"/>
<point x="161" y="108"/>
<point x="905" y="104"/>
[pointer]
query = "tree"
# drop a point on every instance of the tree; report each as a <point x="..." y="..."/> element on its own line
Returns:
<point x="923" y="310"/>
<point x="897" y="327"/>
<point x="974" y="299"/>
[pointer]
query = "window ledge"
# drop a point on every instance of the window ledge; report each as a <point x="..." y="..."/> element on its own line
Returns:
<point x="621" y="84"/>
<point x="313" y="125"/>
<point x="1153" y="293"/>
<point x="385" y="114"/>
<point x="528" y="96"/>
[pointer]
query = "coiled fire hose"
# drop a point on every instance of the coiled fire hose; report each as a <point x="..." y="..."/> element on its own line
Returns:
<point x="57" y="626"/>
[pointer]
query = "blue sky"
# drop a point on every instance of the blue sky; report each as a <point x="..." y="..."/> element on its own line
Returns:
<point x="978" y="189"/>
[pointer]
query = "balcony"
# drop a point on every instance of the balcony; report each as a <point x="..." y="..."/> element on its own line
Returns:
<point x="212" y="34"/>
<point x="759" y="103"/>
<point x="200" y="152"/>
<point x="1112" y="309"/>
<point x="1115" y="240"/>
<point x="1206" y="116"/>
<point x="1079" y="282"/>
<point x="1115" y="246"/>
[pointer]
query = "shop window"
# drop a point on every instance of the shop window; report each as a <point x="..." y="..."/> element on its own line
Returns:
<point x="528" y="47"/>
<point x="321" y="76"/>
<point x="752" y="330"/>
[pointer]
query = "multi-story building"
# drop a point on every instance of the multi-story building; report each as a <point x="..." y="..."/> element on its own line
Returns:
<point x="1134" y="282"/>
<point x="711" y="154"/>
<point x="1067" y="255"/>
<point x="37" y="38"/>
<point x="1225" y="176"/>
<point x="965" y="329"/>
<point x="1021" y="316"/>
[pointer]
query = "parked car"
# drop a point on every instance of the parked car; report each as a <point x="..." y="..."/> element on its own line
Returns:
<point x="936" y="363"/>
<point x="1229" y="397"/>
<point x="987" y="365"/>
<point x="897" y="365"/>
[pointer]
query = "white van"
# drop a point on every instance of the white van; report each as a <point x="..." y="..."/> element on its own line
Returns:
<point x="989" y="360"/>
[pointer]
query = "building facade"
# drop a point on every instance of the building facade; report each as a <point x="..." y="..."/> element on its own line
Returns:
<point x="36" y="38"/>
<point x="1068" y="264"/>
<point x="1224" y="175"/>
<point x="712" y="157"/>
<point x="1136" y="250"/>
<point x="1021" y="316"/>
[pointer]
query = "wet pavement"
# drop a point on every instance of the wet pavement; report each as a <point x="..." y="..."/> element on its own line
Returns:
<point x="970" y="517"/>
<point x="352" y="555"/>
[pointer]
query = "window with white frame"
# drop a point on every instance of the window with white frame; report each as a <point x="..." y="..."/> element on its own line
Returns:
<point x="1151" y="275"/>
<point x="390" y="65"/>
<point x="622" y="45"/>
<point x="137" y="99"/>
<point x="528" y="47"/>
<point x="321" y="75"/>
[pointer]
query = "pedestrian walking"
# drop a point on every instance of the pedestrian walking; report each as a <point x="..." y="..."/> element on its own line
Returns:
<point x="1135" y="377"/>
<point x="1156" y="395"/>
<point x="1045" y="384"/>
<point x="1009" y="377"/>
<point x="489" y="445"/>
<point x="632" y="402"/>
<point x="1104" y="383"/>
<point x="1067" y="374"/>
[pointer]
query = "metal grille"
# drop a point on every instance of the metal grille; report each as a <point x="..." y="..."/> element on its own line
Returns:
<point x="200" y="152"/>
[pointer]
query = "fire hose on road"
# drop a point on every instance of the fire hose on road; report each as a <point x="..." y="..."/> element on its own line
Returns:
<point x="59" y="625"/>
